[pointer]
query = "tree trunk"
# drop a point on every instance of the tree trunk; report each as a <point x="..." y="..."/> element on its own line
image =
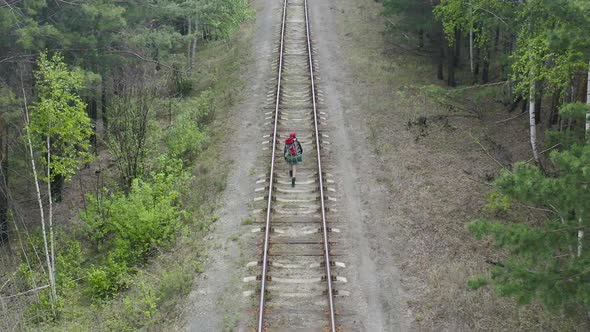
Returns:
<point x="194" y="50"/>
<point x="103" y="103"/>
<point x="581" y="232"/>
<point x="53" y="294"/>
<point x="485" y="74"/>
<point x="421" y="38"/>
<point x="533" y="123"/>
<point x="57" y="185"/>
<point x="457" y="53"/>
<point x="471" y="51"/>
<point x="190" y="44"/>
<point x="450" y="67"/>
<point x="3" y="183"/>
<point x="588" y="102"/>
<point x="50" y="213"/>
<point x="497" y="40"/>
<point x="93" y="114"/>
<point x="538" y="104"/>
<point x="477" y="60"/>
<point x="515" y="104"/>
<point x="441" y="57"/>
<point x="554" y="116"/>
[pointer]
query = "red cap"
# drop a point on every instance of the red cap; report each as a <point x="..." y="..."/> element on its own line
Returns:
<point x="293" y="134"/>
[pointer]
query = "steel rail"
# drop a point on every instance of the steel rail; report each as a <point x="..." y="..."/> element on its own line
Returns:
<point x="271" y="180"/>
<point x="272" y="169"/>
<point x="320" y="176"/>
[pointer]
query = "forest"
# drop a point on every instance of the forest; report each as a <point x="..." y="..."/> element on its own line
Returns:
<point x="532" y="57"/>
<point x="106" y="122"/>
<point x="112" y="120"/>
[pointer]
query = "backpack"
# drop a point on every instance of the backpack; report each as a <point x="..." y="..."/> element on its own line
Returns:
<point x="292" y="154"/>
<point x="292" y="149"/>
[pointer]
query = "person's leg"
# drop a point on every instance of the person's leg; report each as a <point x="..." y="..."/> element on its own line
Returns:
<point x="293" y="176"/>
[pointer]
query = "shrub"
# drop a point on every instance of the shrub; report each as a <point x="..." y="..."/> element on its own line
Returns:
<point x="69" y="264"/>
<point x="40" y="311"/>
<point x="24" y="277"/>
<point x="185" y="139"/>
<point x="107" y="279"/>
<point x="131" y="227"/>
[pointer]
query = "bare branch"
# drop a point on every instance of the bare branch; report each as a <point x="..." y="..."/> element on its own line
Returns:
<point x="512" y="118"/>
<point x="25" y="292"/>
<point x="486" y="151"/>
<point x="549" y="149"/>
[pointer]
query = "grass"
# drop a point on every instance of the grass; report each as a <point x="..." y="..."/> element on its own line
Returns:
<point x="252" y="171"/>
<point x="230" y="321"/>
<point x="247" y="221"/>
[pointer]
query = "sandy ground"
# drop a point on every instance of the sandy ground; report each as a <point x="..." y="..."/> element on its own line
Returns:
<point x="377" y="295"/>
<point x="215" y="302"/>
<point x="405" y="195"/>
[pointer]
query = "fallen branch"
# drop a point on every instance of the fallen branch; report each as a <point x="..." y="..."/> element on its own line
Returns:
<point x="25" y="292"/>
<point x="540" y="153"/>
<point x="7" y="281"/>
<point x="486" y="151"/>
<point x="480" y="86"/>
<point x="512" y="118"/>
<point x="536" y="208"/>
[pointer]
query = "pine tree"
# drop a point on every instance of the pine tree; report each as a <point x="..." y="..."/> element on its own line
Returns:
<point x="543" y="263"/>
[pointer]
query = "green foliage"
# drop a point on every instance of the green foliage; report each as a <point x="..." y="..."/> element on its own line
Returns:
<point x="69" y="262"/>
<point x="41" y="311"/>
<point x="410" y="15"/>
<point x="24" y="277"/>
<point x="106" y="40"/>
<point x="129" y="132"/>
<point x="107" y="279"/>
<point x="479" y="16"/>
<point x="129" y="228"/>
<point x="144" y="306"/>
<point x="477" y="282"/>
<point x="205" y="106"/>
<point x="136" y="224"/>
<point x="575" y="111"/>
<point x="59" y="125"/>
<point x="543" y="262"/>
<point x="498" y="202"/>
<point x="175" y="283"/>
<point x="572" y="134"/>
<point x="183" y="84"/>
<point x="187" y="137"/>
<point x="549" y="46"/>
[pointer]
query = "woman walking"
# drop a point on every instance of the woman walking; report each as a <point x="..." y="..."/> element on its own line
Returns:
<point x="293" y="153"/>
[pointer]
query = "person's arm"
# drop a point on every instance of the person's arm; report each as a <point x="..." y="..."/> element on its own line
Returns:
<point x="300" y="147"/>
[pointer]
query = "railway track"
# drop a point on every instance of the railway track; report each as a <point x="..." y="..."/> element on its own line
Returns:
<point x="297" y="283"/>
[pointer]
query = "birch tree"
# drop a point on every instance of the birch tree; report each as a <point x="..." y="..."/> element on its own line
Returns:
<point x="57" y="132"/>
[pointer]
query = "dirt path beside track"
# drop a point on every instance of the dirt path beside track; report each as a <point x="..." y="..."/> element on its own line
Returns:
<point x="405" y="193"/>
<point x="216" y="301"/>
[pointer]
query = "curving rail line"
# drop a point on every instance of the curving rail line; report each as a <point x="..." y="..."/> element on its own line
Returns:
<point x="275" y="147"/>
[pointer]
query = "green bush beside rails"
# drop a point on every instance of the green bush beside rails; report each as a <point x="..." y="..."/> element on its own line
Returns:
<point x="128" y="229"/>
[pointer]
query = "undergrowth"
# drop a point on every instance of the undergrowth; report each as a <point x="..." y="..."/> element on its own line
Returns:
<point x="131" y="255"/>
